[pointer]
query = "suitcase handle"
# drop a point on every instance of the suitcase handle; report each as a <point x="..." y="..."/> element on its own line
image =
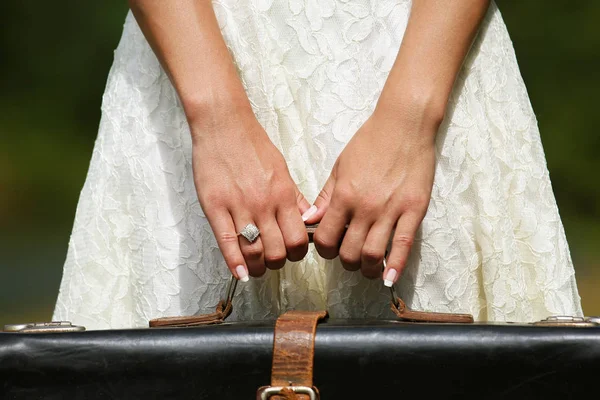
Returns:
<point x="225" y="307"/>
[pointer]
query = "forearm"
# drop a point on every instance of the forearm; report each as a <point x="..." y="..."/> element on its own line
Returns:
<point x="438" y="36"/>
<point x="186" y="38"/>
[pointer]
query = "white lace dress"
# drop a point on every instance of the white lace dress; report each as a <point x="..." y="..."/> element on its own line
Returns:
<point x="492" y="242"/>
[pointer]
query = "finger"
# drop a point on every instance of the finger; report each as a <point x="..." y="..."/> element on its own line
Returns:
<point x="227" y="239"/>
<point x="303" y="204"/>
<point x="316" y="212"/>
<point x="350" y="250"/>
<point x="328" y="236"/>
<point x="274" y="247"/>
<point x="373" y="249"/>
<point x="294" y="233"/>
<point x="253" y="252"/>
<point x="402" y="242"/>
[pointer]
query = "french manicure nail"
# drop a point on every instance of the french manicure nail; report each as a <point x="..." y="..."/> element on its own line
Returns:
<point x="390" y="277"/>
<point x="242" y="273"/>
<point x="309" y="213"/>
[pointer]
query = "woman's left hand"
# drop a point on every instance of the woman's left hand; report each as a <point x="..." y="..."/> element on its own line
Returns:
<point x="381" y="181"/>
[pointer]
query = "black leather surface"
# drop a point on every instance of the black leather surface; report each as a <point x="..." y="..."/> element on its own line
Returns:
<point x="353" y="360"/>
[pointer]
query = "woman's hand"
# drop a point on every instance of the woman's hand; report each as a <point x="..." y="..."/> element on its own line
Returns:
<point x="242" y="178"/>
<point x="381" y="181"/>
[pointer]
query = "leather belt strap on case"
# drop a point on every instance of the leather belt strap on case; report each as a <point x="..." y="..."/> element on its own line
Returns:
<point x="293" y="356"/>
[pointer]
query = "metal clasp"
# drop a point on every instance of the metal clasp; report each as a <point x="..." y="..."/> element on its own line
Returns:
<point x="44" y="327"/>
<point x="594" y="319"/>
<point x="265" y="392"/>
<point x="569" y="321"/>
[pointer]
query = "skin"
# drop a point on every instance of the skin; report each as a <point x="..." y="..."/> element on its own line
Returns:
<point x="381" y="181"/>
<point x="383" y="178"/>
<point x="239" y="174"/>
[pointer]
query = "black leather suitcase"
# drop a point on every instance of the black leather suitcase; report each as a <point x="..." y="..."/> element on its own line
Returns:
<point x="421" y="355"/>
<point x="353" y="360"/>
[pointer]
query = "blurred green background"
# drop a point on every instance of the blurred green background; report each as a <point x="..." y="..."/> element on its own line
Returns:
<point x="54" y="60"/>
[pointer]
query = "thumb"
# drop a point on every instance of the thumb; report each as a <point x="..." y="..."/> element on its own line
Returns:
<point x="318" y="209"/>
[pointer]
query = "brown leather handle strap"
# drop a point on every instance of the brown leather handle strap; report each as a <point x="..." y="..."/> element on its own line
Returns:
<point x="406" y="314"/>
<point x="223" y="310"/>
<point x="225" y="307"/>
<point x="293" y="356"/>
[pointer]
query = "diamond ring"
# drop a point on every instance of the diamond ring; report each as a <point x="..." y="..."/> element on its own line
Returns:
<point x="250" y="232"/>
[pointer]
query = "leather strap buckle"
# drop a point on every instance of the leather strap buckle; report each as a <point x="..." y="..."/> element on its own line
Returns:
<point x="265" y="392"/>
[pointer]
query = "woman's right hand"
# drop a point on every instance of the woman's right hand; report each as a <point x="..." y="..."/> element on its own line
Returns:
<point x="242" y="178"/>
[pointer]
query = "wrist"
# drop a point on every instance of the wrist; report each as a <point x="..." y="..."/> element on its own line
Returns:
<point x="415" y="117"/>
<point x="424" y="107"/>
<point x="419" y="99"/>
<point x="215" y="104"/>
<point x="226" y="115"/>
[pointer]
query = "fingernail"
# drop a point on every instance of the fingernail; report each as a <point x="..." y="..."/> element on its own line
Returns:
<point x="242" y="273"/>
<point x="390" y="277"/>
<point x="309" y="213"/>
